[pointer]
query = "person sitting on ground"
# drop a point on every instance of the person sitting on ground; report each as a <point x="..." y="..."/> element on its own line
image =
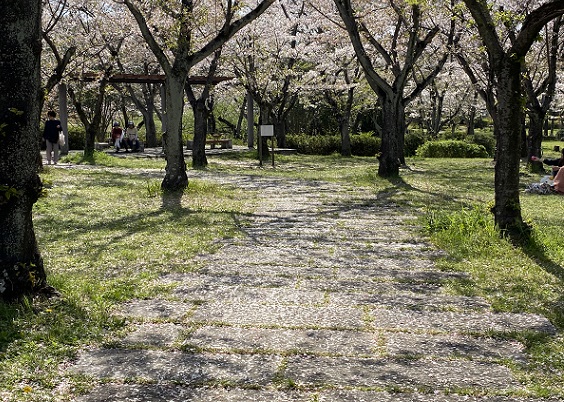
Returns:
<point x="131" y="138"/>
<point x="554" y="163"/>
<point x="558" y="184"/>
<point x="116" y="136"/>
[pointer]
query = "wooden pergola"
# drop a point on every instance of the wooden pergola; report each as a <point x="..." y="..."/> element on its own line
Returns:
<point x="143" y="79"/>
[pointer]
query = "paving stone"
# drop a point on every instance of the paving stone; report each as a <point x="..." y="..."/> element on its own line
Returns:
<point x="295" y="270"/>
<point x="247" y="294"/>
<point x="155" y="309"/>
<point x="280" y="316"/>
<point x="239" y="257"/>
<point x="184" y="368"/>
<point x="370" y="286"/>
<point x="450" y="345"/>
<point x="203" y="280"/>
<point x="154" y="334"/>
<point x="170" y="393"/>
<point x="455" y="322"/>
<point x="326" y="342"/>
<point x="372" y="396"/>
<point x="408" y="301"/>
<point x="407" y="374"/>
<point x="380" y="269"/>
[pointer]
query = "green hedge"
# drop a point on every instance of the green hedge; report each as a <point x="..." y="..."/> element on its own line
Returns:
<point x="364" y="144"/>
<point x="451" y="149"/>
<point x="77" y="137"/>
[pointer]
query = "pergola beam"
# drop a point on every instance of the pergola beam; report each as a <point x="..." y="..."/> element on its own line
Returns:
<point x="148" y="78"/>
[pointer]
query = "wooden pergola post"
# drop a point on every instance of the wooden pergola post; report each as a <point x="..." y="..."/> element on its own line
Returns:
<point x="250" y="121"/>
<point x="64" y="117"/>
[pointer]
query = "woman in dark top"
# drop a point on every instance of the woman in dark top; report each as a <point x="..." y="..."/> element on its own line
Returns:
<point x="51" y="136"/>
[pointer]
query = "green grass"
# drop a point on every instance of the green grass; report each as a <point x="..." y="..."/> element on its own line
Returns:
<point x="105" y="233"/>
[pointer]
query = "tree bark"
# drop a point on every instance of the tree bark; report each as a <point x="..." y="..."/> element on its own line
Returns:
<point x="199" y="158"/>
<point x="393" y="115"/>
<point x="507" y="210"/>
<point x="21" y="265"/>
<point x="534" y="143"/>
<point x="175" y="178"/>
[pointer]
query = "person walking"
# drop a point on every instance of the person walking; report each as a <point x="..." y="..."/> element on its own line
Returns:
<point x="51" y="135"/>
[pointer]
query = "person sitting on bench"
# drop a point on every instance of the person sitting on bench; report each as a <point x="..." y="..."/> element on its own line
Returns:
<point x="131" y="138"/>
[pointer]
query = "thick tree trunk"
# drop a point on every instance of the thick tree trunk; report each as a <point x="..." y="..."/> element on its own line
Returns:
<point x="392" y="126"/>
<point x="507" y="209"/>
<point x="21" y="265"/>
<point x="175" y="178"/>
<point x="199" y="159"/>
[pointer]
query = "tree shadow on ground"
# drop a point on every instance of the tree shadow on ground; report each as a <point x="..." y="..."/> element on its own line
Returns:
<point x="537" y="253"/>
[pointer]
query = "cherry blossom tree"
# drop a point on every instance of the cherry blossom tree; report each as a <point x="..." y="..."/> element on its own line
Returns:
<point x="521" y="25"/>
<point x="401" y="46"/>
<point x="21" y="265"/>
<point x="270" y="59"/>
<point x="176" y="33"/>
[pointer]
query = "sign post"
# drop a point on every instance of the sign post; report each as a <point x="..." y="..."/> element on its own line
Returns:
<point x="267" y="130"/>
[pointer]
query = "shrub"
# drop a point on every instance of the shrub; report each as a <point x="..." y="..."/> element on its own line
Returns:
<point x="451" y="149"/>
<point x="364" y="144"/>
<point x="77" y="137"/>
<point x="486" y="139"/>
<point x="413" y="140"/>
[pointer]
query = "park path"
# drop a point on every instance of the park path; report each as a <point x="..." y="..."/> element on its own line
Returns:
<point x="329" y="295"/>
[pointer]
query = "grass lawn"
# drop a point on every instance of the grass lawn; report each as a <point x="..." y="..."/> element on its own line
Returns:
<point x="105" y="231"/>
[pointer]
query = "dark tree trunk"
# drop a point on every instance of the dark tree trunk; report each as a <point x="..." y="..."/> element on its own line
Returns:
<point x="21" y="265"/>
<point x="534" y="144"/>
<point x="344" y="128"/>
<point x="175" y="178"/>
<point x="280" y="133"/>
<point x="199" y="159"/>
<point x="392" y="126"/>
<point x="507" y="209"/>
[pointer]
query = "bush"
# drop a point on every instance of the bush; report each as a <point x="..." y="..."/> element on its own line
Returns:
<point x="486" y="139"/>
<point x="451" y="149"/>
<point x="77" y="137"/>
<point x="314" y="144"/>
<point x="364" y="144"/>
<point x="413" y="140"/>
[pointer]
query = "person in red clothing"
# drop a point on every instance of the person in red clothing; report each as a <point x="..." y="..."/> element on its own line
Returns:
<point x="116" y="135"/>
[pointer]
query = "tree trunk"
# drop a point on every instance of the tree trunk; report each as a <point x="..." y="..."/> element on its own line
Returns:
<point x="344" y="128"/>
<point x="534" y="143"/>
<point x="175" y="178"/>
<point x="21" y="265"/>
<point x="507" y="209"/>
<point x="199" y="159"/>
<point x="150" y="128"/>
<point x="280" y="133"/>
<point x="392" y="126"/>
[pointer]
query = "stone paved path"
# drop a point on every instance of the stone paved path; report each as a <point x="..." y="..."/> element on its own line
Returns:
<point x="328" y="296"/>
